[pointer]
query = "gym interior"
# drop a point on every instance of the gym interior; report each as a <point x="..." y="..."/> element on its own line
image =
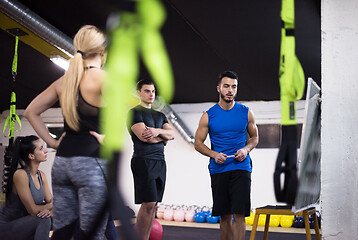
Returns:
<point x="203" y="39"/>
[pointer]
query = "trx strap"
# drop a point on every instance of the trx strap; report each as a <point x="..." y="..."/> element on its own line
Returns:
<point x="152" y="16"/>
<point x="292" y="84"/>
<point x="10" y="120"/>
<point x="137" y="33"/>
<point x="13" y="117"/>
<point x="286" y="164"/>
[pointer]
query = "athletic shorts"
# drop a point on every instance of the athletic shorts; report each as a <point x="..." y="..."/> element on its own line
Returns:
<point x="231" y="193"/>
<point x="149" y="179"/>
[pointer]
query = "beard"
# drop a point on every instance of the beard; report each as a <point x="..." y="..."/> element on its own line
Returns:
<point x="226" y="100"/>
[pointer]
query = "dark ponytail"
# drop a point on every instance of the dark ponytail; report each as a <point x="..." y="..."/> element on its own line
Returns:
<point x="23" y="147"/>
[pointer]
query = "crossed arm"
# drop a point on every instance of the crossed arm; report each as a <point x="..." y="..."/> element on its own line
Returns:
<point x="21" y="185"/>
<point x="153" y="135"/>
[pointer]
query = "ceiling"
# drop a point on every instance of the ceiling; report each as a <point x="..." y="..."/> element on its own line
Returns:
<point x="203" y="38"/>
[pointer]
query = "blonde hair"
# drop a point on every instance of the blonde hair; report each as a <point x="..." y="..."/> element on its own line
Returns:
<point x="88" y="42"/>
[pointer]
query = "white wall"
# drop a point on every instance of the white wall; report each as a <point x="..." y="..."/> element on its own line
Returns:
<point x="52" y="115"/>
<point x="339" y="192"/>
<point x="188" y="180"/>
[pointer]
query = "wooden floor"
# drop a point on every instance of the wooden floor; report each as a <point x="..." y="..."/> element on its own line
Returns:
<point x="217" y="226"/>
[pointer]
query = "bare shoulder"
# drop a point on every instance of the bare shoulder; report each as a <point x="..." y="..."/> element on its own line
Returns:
<point x="20" y="174"/>
<point x="93" y="79"/>
<point x="251" y="115"/>
<point x="58" y="86"/>
<point x="204" y="118"/>
<point x="97" y="73"/>
<point x="204" y="121"/>
<point x="42" y="173"/>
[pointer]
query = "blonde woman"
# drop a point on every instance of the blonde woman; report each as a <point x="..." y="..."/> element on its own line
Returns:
<point x="78" y="181"/>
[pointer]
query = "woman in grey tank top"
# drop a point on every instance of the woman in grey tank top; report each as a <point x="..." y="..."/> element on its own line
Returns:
<point x="27" y="211"/>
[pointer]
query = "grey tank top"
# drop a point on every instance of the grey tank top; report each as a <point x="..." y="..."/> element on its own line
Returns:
<point x="13" y="208"/>
<point x="37" y="194"/>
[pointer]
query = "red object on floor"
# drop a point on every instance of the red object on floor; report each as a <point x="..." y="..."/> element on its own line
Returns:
<point x="157" y="231"/>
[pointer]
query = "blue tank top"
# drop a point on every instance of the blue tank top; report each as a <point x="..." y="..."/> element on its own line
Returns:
<point x="228" y="133"/>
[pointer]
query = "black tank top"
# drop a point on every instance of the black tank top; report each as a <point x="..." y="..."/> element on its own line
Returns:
<point x="81" y="143"/>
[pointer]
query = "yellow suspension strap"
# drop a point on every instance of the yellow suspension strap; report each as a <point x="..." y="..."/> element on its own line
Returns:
<point x="152" y="17"/>
<point x="11" y="120"/>
<point x="292" y="84"/>
<point x="137" y="34"/>
<point x="122" y="70"/>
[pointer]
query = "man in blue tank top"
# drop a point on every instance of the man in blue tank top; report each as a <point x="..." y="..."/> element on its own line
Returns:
<point x="150" y="132"/>
<point x="233" y="134"/>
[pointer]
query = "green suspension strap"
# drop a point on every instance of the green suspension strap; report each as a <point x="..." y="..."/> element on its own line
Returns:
<point x="292" y="84"/>
<point x="11" y="119"/>
<point x="122" y="70"/>
<point x="152" y="15"/>
<point x="137" y="33"/>
<point x="292" y="78"/>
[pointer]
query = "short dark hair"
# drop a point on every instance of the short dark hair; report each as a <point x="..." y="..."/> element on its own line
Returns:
<point x="229" y="74"/>
<point x="144" y="81"/>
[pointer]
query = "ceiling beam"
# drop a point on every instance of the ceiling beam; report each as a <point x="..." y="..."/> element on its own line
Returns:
<point x="40" y="34"/>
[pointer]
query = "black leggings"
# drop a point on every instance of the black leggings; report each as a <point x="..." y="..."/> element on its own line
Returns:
<point x="28" y="227"/>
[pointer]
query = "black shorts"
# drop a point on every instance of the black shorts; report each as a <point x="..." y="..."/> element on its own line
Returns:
<point x="231" y="193"/>
<point x="149" y="179"/>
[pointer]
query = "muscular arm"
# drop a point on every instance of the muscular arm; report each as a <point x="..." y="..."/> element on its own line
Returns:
<point x="165" y="133"/>
<point x="252" y="132"/>
<point x="169" y="134"/>
<point x="253" y="138"/>
<point x="200" y="136"/>
<point x="40" y="104"/>
<point x="139" y="129"/>
<point x="21" y="185"/>
<point x="153" y="135"/>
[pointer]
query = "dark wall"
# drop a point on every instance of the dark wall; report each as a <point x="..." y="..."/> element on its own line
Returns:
<point x="203" y="38"/>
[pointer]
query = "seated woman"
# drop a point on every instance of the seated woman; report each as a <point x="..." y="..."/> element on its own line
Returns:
<point x="27" y="211"/>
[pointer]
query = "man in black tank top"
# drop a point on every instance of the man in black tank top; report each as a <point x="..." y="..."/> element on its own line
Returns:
<point x="150" y="132"/>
